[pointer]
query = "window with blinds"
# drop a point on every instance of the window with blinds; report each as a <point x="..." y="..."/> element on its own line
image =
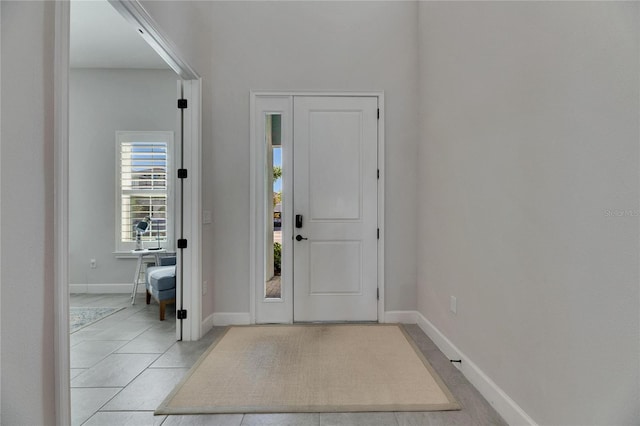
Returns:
<point x="144" y="188"/>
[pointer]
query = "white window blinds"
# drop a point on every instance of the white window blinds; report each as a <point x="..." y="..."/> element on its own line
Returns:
<point x="144" y="186"/>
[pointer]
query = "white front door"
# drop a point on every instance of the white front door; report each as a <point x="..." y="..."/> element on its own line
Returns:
<point x="335" y="197"/>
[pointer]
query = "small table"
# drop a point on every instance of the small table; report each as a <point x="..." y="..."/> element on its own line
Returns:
<point x="142" y="253"/>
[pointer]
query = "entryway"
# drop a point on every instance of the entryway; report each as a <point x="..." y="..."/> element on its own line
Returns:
<point x="324" y="153"/>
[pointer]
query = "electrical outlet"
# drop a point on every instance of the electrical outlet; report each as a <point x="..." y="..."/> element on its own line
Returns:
<point x="93" y="264"/>
<point x="205" y="288"/>
<point x="453" y="305"/>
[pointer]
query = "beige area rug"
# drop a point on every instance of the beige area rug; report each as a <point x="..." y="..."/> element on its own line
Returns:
<point x="310" y="368"/>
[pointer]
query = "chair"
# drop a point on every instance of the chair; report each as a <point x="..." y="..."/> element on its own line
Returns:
<point x="160" y="282"/>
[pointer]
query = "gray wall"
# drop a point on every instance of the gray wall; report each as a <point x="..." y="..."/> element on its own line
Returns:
<point x="529" y="136"/>
<point x="318" y="46"/>
<point x="101" y="102"/>
<point x="311" y="46"/>
<point x="28" y="394"/>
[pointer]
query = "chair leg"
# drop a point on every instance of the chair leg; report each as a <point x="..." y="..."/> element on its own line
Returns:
<point x="163" y="305"/>
<point x="148" y="297"/>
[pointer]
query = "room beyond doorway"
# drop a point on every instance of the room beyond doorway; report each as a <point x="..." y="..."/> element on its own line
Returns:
<point x="189" y="89"/>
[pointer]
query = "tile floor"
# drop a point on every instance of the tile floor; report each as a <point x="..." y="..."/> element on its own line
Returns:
<point x="123" y="366"/>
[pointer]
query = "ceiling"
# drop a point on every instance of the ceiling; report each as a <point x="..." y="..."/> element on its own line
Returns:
<point x="101" y="38"/>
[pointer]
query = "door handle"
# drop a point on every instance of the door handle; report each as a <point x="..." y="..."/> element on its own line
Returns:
<point x="300" y="238"/>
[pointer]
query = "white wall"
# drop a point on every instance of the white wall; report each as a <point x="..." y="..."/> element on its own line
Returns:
<point x="317" y="46"/>
<point x="529" y="136"/>
<point x="101" y="102"/>
<point x="27" y="213"/>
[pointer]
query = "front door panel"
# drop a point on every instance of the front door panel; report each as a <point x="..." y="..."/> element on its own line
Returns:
<point x="335" y="191"/>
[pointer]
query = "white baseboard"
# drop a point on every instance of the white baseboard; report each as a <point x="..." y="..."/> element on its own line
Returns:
<point x="401" y="317"/>
<point x="503" y="404"/>
<point x="104" y="288"/>
<point x="231" y="318"/>
<point x="207" y="324"/>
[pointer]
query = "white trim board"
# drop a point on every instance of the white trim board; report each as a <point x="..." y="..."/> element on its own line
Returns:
<point x="400" y="317"/>
<point x="191" y="260"/>
<point x="503" y="404"/>
<point x="206" y="324"/>
<point x="135" y="13"/>
<point x="231" y="318"/>
<point x="61" y="213"/>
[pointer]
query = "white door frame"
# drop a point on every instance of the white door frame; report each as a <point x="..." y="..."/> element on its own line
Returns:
<point x="257" y="194"/>
<point x="135" y="13"/>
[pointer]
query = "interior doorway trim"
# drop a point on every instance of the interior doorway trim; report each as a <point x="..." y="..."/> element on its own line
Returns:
<point x="135" y="13"/>
<point x="257" y="194"/>
<point x="61" y="213"/>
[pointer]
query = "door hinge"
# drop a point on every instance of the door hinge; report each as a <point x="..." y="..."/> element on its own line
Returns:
<point x="377" y="293"/>
<point x="378" y="173"/>
<point x="182" y="173"/>
<point x="378" y="113"/>
<point x="182" y="103"/>
<point x="181" y="314"/>
<point x="182" y="243"/>
<point x="378" y="233"/>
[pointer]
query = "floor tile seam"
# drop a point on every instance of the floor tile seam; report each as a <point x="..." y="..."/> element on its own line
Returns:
<point x="137" y="335"/>
<point x="90" y="339"/>
<point x="129" y="382"/>
<point x="140" y="353"/>
<point x="97" y="387"/>
<point x="117" y="340"/>
<point x="143" y="370"/>
<point x="107" y="410"/>
<point x="88" y="330"/>
<point x="169" y="368"/>
<point x="124" y="342"/>
<point x="94" y="413"/>
<point x="153" y="335"/>
<point x="107" y="402"/>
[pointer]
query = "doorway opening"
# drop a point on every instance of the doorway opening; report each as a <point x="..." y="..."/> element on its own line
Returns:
<point x="187" y="156"/>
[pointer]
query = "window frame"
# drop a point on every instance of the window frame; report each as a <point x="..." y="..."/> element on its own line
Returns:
<point x="144" y="136"/>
